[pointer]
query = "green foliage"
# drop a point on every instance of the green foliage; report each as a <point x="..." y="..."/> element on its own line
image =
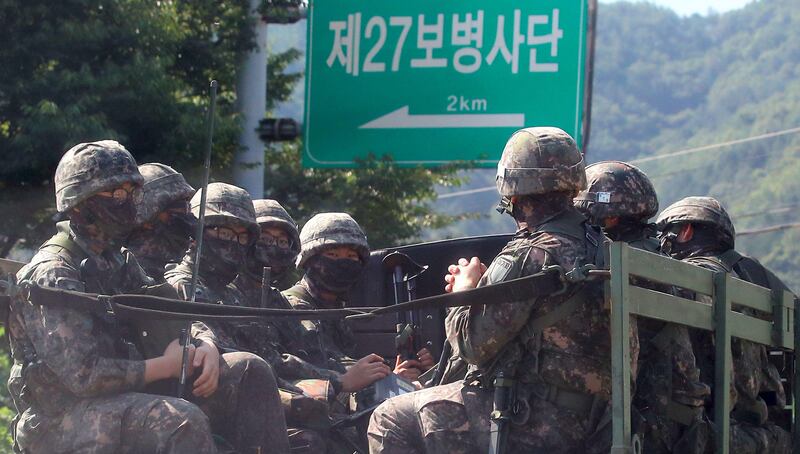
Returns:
<point x="689" y="82"/>
<point x="133" y="70"/>
<point x="392" y="204"/>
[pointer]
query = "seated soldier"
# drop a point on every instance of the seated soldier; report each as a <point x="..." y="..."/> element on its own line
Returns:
<point x="334" y="252"/>
<point x="699" y="231"/>
<point x="669" y="394"/>
<point x="539" y="376"/>
<point x="229" y="230"/>
<point x="164" y="222"/>
<point x="276" y="248"/>
<point x="78" y="381"/>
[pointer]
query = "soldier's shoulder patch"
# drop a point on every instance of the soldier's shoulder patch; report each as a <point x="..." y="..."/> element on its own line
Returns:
<point x="70" y="284"/>
<point x="499" y="269"/>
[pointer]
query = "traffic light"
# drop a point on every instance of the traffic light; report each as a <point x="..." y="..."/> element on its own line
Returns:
<point x="277" y="129"/>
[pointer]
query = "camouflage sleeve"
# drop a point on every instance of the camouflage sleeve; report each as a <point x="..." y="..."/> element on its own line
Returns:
<point x="71" y="344"/>
<point x="479" y="333"/>
<point x="201" y="331"/>
<point x="293" y="367"/>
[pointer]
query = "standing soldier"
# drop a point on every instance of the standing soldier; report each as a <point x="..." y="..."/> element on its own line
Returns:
<point x="164" y="222"/>
<point x="77" y="382"/>
<point x="552" y="352"/>
<point x="669" y="394"/>
<point x="698" y="230"/>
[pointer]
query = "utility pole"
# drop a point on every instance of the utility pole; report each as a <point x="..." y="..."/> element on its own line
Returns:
<point x="251" y="99"/>
<point x="251" y="94"/>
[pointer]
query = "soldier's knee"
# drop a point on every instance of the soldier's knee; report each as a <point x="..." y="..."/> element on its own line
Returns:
<point x="181" y="414"/>
<point x="249" y="365"/>
<point x="392" y="419"/>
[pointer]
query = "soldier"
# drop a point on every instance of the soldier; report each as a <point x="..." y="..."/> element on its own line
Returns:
<point x="164" y="222"/>
<point x="78" y="383"/>
<point x="698" y="230"/>
<point x="559" y="369"/>
<point x="277" y="246"/>
<point x="669" y="394"/>
<point x="229" y="230"/>
<point x="334" y="252"/>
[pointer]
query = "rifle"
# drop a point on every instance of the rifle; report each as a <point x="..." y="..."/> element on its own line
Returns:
<point x="186" y="336"/>
<point x="404" y="274"/>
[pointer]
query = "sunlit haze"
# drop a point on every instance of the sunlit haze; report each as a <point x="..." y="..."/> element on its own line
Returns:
<point x="689" y="7"/>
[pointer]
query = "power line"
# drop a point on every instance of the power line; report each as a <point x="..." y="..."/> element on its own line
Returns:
<point x="657" y="157"/>
<point x="716" y="145"/>
<point x="467" y="192"/>
<point x="771" y="228"/>
<point x="782" y="209"/>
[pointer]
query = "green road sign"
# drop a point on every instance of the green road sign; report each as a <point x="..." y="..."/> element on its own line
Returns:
<point x="434" y="81"/>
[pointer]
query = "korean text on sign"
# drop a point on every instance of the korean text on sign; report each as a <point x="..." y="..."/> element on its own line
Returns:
<point x="421" y="42"/>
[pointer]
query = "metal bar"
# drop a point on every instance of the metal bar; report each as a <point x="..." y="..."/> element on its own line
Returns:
<point x="620" y="350"/>
<point x="750" y="328"/>
<point x="796" y="384"/>
<point x="750" y="295"/>
<point x="783" y="314"/>
<point x="722" y="363"/>
<point x="657" y="268"/>
<point x="674" y="309"/>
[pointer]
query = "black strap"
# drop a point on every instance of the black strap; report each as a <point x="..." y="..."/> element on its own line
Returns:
<point x="154" y="307"/>
<point x="549" y="281"/>
<point x="546" y="282"/>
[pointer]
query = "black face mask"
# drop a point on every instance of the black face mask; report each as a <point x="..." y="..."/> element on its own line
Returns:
<point x="279" y="259"/>
<point x="335" y="275"/>
<point x="114" y="220"/>
<point x="165" y="242"/>
<point x="221" y="259"/>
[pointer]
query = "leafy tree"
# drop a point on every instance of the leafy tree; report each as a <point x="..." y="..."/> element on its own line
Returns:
<point x="133" y="70"/>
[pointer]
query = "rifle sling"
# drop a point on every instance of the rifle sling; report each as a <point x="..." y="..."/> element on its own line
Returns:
<point x="145" y="306"/>
<point x="523" y="289"/>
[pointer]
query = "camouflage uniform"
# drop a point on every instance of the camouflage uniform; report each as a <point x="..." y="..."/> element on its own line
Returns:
<point x="328" y="344"/>
<point x="562" y="372"/>
<point x="159" y="242"/>
<point x="754" y="377"/>
<point x="272" y="340"/>
<point x="77" y="381"/>
<point x="669" y="394"/>
<point x="227" y="205"/>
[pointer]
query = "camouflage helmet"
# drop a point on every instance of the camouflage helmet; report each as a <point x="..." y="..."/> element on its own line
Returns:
<point x="162" y="187"/>
<point x="617" y="189"/>
<point x="331" y="229"/>
<point x="271" y="213"/>
<point x="227" y="204"/>
<point x="538" y="161"/>
<point x="89" y="168"/>
<point x="698" y="210"/>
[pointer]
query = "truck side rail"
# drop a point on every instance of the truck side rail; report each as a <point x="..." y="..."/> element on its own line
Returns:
<point x="626" y="298"/>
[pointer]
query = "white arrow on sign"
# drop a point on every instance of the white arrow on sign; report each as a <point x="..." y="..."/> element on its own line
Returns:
<point x="401" y="119"/>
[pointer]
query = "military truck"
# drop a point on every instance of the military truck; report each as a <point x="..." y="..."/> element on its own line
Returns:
<point x="418" y="273"/>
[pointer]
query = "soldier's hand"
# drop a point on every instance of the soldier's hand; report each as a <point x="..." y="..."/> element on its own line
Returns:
<point x="207" y="358"/>
<point x="167" y="365"/>
<point x="409" y="369"/>
<point x="465" y="275"/>
<point x="363" y="373"/>
<point x="425" y="359"/>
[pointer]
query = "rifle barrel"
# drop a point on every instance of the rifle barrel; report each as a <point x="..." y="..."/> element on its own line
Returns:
<point x="198" y="237"/>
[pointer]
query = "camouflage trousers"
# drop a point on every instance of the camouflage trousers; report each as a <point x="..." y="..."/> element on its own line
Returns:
<point x="767" y="438"/>
<point x="245" y="410"/>
<point x="454" y="419"/>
